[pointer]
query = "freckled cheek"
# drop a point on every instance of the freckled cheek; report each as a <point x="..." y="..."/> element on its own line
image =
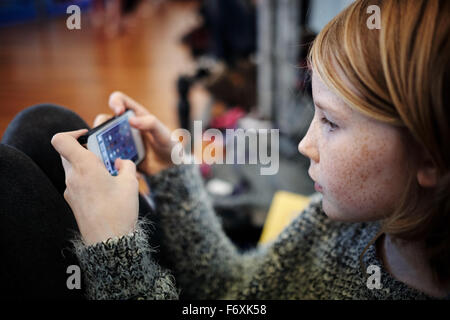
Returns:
<point x="357" y="185"/>
<point x="341" y="180"/>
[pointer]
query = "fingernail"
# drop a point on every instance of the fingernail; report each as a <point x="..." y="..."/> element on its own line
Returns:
<point x="117" y="109"/>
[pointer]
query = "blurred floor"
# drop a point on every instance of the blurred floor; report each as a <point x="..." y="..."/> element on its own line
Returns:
<point x="46" y="62"/>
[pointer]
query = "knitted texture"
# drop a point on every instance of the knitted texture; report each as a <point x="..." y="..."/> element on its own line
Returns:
<point x="313" y="258"/>
<point x="121" y="268"/>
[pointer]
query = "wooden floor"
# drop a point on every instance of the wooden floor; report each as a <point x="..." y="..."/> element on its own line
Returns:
<point x="46" y="62"/>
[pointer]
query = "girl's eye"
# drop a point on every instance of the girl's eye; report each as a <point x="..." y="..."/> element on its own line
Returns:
<point x="332" y="125"/>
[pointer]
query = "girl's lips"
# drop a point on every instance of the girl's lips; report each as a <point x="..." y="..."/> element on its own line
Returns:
<point x="318" y="187"/>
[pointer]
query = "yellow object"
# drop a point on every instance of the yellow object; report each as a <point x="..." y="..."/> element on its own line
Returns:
<point x="284" y="208"/>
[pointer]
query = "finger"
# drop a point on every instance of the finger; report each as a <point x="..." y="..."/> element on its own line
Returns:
<point x="66" y="144"/>
<point x="101" y="118"/>
<point x="119" y="101"/>
<point x="151" y="124"/>
<point x="125" y="167"/>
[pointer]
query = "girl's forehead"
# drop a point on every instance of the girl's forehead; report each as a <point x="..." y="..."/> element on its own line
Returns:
<point x="327" y="100"/>
<point x="322" y="91"/>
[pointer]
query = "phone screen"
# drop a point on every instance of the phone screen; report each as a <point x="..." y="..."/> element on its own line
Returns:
<point x="117" y="142"/>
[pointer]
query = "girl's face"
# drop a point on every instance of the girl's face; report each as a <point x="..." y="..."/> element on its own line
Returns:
<point x="359" y="162"/>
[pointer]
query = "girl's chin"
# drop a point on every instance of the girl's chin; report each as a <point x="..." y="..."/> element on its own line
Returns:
<point x="334" y="214"/>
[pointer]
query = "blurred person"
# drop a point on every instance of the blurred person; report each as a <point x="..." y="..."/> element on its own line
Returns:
<point x="112" y="17"/>
<point x="228" y="32"/>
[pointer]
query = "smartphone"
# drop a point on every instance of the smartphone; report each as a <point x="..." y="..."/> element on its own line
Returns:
<point x="114" y="139"/>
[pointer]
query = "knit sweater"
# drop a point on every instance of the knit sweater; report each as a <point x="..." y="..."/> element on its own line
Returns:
<point x="313" y="258"/>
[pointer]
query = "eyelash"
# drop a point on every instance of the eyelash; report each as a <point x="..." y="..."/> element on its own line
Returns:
<point x="332" y="125"/>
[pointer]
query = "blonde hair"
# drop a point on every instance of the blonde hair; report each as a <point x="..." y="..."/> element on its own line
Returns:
<point x="399" y="75"/>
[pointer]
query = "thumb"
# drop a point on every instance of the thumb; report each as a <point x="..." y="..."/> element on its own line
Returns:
<point x="66" y="144"/>
<point x="125" y="167"/>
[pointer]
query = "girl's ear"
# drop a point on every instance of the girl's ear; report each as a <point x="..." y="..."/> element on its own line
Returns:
<point x="427" y="174"/>
<point x="427" y="178"/>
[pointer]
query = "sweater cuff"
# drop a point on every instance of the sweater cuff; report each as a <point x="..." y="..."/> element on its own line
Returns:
<point x="120" y="267"/>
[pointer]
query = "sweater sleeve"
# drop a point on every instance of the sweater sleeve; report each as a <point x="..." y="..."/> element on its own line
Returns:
<point x="205" y="262"/>
<point x="122" y="268"/>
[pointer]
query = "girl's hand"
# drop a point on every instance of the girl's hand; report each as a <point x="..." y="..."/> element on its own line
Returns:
<point x="155" y="134"/>
<point x="104" y="206"/>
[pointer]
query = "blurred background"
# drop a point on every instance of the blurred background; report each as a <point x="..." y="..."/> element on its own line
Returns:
<point x="230" y="63"/>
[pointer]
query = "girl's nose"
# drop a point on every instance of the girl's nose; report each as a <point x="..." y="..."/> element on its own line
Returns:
<point x="307" y="147"/>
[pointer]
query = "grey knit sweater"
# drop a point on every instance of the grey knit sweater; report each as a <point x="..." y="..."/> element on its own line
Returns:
<point x="313" y="258"/>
